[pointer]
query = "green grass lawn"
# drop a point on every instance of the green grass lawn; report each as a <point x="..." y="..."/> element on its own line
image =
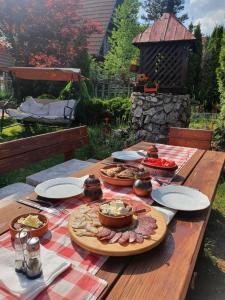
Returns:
<point x="210" y="282"/>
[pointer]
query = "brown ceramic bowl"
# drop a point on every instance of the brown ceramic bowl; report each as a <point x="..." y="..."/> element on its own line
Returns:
<point x="33" y="232"/>
<point x="116" y="221"/>
<point x="116" y="180"/>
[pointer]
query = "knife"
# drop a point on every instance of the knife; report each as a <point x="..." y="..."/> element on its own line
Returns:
<point x="50" y="210"/>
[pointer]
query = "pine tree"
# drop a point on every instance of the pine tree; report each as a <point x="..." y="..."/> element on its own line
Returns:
<point x="209" y="86"/>
<point x="194" y="70"/>
<point x="125" y="28"/>
<point x="155" y="8"/>
<point x="191" y="27"/>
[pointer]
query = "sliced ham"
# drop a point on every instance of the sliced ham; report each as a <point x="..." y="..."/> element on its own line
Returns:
<point x="132" y="237"/>
<point x="139" y="238"/>
<point x="108" y="237"/>
<point x="104" y="232"/>
<point x="116" y="237"/>
<point x="146" y="226"/>
<point x="124" y="238"/>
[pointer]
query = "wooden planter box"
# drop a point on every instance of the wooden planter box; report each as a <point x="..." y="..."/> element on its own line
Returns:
<point x="152" y="90"/>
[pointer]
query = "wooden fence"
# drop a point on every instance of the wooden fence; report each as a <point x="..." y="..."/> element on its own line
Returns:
<point x="112" y="87"/>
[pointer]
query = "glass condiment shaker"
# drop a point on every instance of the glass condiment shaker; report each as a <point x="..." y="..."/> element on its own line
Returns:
<point x="142" y="185"/>
<point x="92" y="188"/>
<point x="20" y="249"/>
<point x="33" y="259"/>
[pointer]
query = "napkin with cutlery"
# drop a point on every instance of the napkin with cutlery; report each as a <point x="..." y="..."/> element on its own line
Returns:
<point x="22" y="287"/>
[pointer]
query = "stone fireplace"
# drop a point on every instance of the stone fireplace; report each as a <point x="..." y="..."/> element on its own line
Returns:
<point x="153" y="114"/>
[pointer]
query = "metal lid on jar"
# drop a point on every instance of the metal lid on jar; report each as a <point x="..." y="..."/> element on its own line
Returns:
<point x="21" y="236"/>
<point x="142" y="174"/>
<point x="33" y="244"/>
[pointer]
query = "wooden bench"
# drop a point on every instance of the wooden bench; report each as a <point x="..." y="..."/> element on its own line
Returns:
<point x="194" y="138"/>
<point x="22" y="152"/>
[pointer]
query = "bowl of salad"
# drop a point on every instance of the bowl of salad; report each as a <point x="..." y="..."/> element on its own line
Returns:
<point x="160" y="166"/>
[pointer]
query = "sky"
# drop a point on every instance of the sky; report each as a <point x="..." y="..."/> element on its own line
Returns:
<point x="206" y="12"/>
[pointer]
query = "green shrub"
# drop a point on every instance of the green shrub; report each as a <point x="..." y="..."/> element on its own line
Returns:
<point x="46" y="96"/>
<point x="75" y="90"/>
<point x="94" y="110"/>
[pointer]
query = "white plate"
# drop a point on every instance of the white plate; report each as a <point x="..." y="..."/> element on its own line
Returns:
<point x="180" y="198"/>
<point x="126" y="155"/>
<point x="60" y="188"/>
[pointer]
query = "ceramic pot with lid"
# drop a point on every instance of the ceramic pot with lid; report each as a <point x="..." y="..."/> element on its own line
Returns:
<point x="142" y="185"/>
<point x="92" y="188"/>
<point x="152" y="151"/>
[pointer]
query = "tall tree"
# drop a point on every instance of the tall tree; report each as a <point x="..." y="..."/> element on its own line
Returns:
<point x="209" y="86"/>
<point x="194" y="70"/>
<point x="44" y="32"/>
<point x="125" y="28"/>
<point x="155" y="8"/>
<point x="221" y="79"/>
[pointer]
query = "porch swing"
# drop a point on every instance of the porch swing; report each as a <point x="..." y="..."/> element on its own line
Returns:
<point x="44" y="111"/>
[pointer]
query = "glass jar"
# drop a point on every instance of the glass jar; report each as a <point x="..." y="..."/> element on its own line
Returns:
<point x="20" y="249"/>
<point x="33" y="259"/>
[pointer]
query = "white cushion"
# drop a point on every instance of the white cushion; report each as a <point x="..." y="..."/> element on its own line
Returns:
<point x="31" y="106"/>
<point x="57" y="108"/>
<point x="16" y="113"/>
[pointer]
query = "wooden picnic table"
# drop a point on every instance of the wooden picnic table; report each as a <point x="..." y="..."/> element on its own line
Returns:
<point x="164" y="272"/>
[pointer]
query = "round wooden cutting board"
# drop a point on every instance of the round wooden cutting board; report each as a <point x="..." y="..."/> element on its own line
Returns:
<point x="92" y="244"/>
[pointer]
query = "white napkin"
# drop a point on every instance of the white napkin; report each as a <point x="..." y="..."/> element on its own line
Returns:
<point x="168" y="213"/>
<point x="22" y="287"/>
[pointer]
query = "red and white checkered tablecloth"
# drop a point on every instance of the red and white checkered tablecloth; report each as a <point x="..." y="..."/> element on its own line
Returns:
<point x="79" y="281"/>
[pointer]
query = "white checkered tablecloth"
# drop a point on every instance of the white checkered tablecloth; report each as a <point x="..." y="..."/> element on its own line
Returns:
<point x="79" y="281"/>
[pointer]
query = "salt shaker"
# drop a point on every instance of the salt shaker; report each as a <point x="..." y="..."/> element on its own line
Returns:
<point x="142" y="185"/>
<point x="33" y="260"/>
<point x="92" y="188"/>
<point x="20" y="248"/>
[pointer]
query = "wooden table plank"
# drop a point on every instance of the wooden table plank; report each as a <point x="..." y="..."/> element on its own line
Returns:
<point x="165" y="272"/>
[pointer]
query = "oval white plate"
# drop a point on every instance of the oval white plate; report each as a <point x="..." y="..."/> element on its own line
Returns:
<point x="126" y="155"/>
<point x="60" y="188"/>
<point x="180" y="198"/>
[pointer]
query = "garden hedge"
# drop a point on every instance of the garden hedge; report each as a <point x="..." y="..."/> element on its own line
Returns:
<point x="94" y="110"/>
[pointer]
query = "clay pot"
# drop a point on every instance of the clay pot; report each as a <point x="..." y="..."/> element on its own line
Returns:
<point x="116" y="221"/>
<point x="142" y="185"/>
<point x="152" y="151"/>
<point x="37" y="232"/>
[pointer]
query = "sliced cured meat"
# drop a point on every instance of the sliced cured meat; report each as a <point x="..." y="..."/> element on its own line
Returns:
<point x="139" y="238"/>
<point x="146" y="226"/>
<point x="147" y="219"/>
<point x="145" y="232"/>
<point x="108" y="237"/>
<point x="124" y="238"/>
<point x="116" y="237"/>
<point x="132" y="237"/>
<point x="104" y="232"/>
